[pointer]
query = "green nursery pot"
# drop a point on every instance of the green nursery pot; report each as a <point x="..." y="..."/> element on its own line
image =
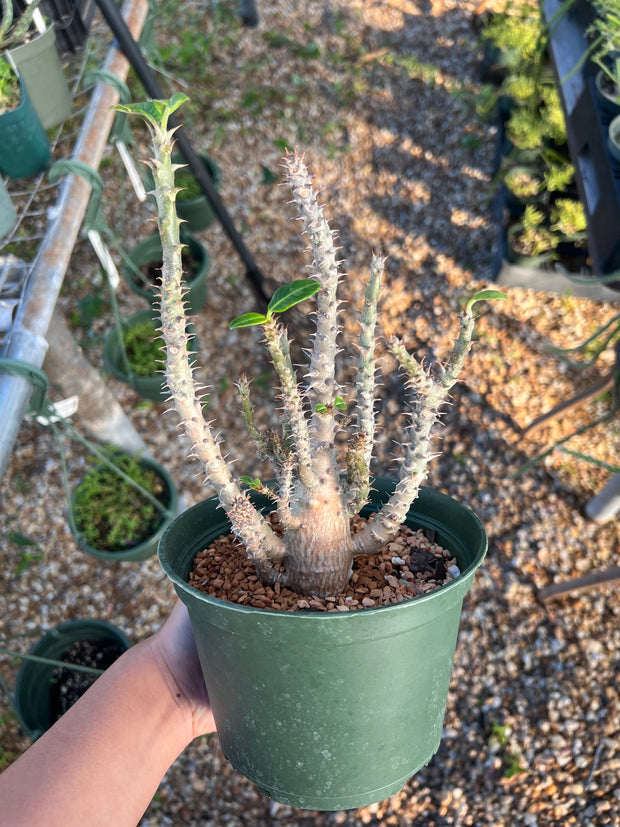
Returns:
<point x="149" y="250"/>
<point x="197" y="212"/>
<point x="24" y="146"/>
<point x="147" y="548"/>
<point x="33" y="697"/>
<point x="149" y="387"/>
<point x="329" y="711"/>
<point x="40" y="67"/>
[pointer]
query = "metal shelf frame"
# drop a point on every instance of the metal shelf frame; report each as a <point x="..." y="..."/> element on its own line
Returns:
<point x="26" y="341"/>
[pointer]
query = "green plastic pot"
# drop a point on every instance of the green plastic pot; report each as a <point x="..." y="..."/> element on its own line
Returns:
<point x="25" y="146"/>
<point x="148" y="547"/>
<point x="8" y="216"/>
<point x="328" y="711"/>
<point x="149" y="250"/>
<point x="39" y="65"/>
<point x="197" y="212"/>
<point x="149" y="387"/>
<point x="33" y="697"/>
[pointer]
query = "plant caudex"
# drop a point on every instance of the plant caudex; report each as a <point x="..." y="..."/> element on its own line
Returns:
<point x="315" y="500"/>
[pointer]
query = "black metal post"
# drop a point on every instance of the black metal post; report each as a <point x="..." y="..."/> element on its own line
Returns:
<point x="132" y="52"/>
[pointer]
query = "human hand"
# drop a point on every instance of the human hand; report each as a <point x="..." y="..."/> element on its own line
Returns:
<point x="175" y="651"/>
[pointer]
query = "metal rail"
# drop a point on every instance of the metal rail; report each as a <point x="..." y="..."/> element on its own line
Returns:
<point x="27" y="341"/>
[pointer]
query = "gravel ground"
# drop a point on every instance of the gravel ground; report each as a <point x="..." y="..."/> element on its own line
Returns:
<point x="378" y="95"/>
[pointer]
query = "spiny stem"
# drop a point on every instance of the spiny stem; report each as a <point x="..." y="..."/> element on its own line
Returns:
<point x="359" y="462"/>
<point x="430" y="394"/>
<point x="247" y="523"/>
<point x="279" y="350"/>
<point x="322" y="386"/>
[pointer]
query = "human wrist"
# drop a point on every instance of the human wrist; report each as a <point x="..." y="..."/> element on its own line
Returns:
<point x="181" y="708"/>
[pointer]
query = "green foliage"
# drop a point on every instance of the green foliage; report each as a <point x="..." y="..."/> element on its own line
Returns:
<point x="27" y="557"/>
<point x="484" y="295"/>
<point x="283" y="299"/>
<point x="189" y="186"/>
<point x="525" y="128"/>
<point x="568" y="218"/>
<point x="521" y="88"/>
<point x="605" y="34"/>
<point x="558" y="176"/>
<point x="523" y="183"/>
<point x="154" y="112"/>
<point x="87" y="310"/>
<point x="516" y="32"/>
<point x="10" y="92"/>
<point x="110" y="513"/>
<point x="306" y="51"/>
<point x="14" y="31"/>
<point x="144" y="348"/>
<point x="535" y="238"/>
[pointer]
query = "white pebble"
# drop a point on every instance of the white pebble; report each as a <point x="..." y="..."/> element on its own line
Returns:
<point x="454" y="571"/>
<point x="398" y="561"/>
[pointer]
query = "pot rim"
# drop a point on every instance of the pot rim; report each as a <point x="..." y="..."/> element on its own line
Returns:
<point x="460" y="583"/>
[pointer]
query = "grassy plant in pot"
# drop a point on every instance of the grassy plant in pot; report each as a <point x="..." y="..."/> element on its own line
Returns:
<point x="326" y="705"/>
<point x="133" y="352"/>
<point x="121" y="507"/>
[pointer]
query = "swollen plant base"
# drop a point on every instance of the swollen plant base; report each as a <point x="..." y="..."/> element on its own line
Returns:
<point x="410" y="566"/>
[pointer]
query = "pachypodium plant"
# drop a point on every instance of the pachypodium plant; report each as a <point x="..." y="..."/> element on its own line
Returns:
<point x="315" y="497"/>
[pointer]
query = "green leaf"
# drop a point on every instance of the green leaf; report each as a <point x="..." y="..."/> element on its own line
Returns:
<point x="251" y="483"/>
<point x="485" y="295"/>
<point x="248" y="320"/>
<point x="20" y="539"/>
<point x="291" y="294"/>
<point x="321" y="408"/>
<point x="154" y="111"/>
<point x="340" y="404"/>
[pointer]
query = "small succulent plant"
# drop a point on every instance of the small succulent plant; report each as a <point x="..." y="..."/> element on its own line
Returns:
<point x="315" y="495"/>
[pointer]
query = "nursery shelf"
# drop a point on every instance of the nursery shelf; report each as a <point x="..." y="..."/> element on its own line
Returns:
<point x="597" y="176"/>
<point x="59" y="213"/>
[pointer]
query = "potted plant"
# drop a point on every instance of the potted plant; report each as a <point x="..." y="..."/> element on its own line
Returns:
<point x="60" y="667"/>
<point x="292" y="690"/>
<point x="193" y="206"/>
<point x="32" y="51"/>
<point x="121" y="507"/>
<point x="511" y="38"/>
<point x="142" y="270"/>
<point x="133" y="351"/>
<point x="604" y="32"/>
<point x="25" y="146"/>
<point x="531" y="241"/>
<point x="523" y="185"/>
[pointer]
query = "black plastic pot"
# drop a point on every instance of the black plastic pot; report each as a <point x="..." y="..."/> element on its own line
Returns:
<point x="328" y="711"/>
<point x="149" y="252"/>
<point x="34" y="689"/>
